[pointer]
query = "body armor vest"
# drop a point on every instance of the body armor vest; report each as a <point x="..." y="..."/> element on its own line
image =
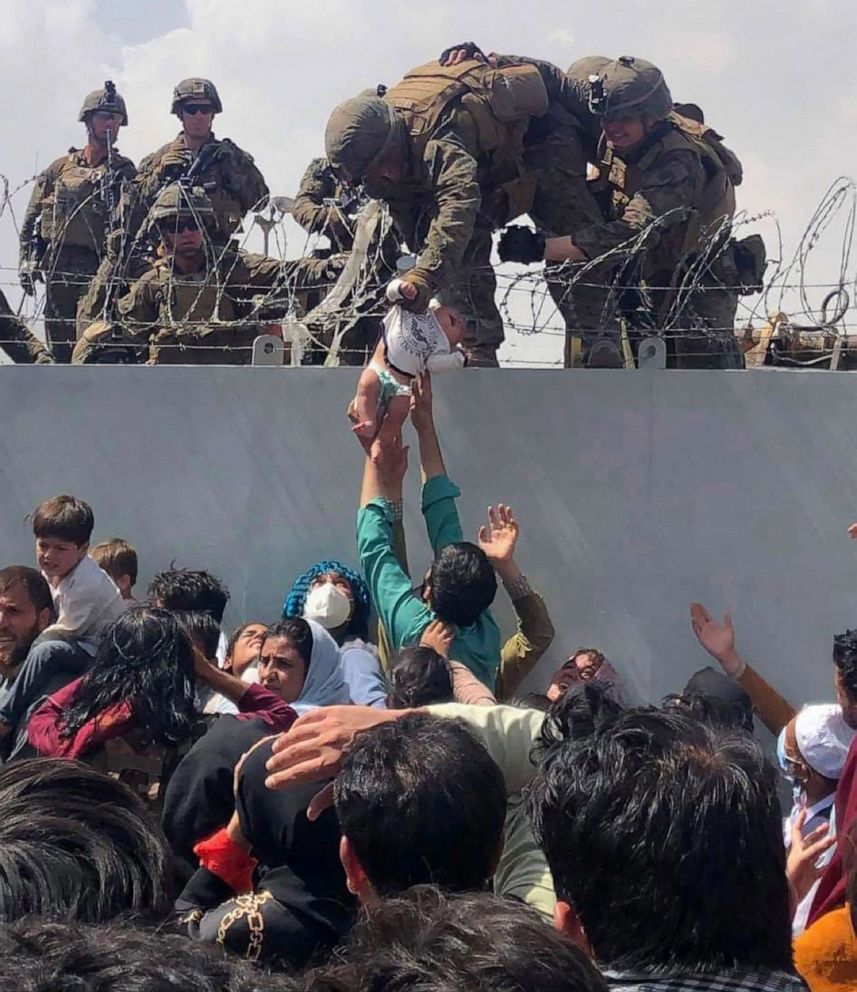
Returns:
<point x="199" y="321"/>
<point x="500" y="102"/>
<point x="74" y="216"/>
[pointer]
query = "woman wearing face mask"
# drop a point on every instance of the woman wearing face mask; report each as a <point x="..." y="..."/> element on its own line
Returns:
<point x="811" y="751"/>
<point x="335" y="596"/>
<point x="299" y="662"/>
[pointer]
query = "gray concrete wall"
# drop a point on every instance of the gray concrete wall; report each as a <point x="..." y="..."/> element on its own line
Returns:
<point x="637" y="493"/>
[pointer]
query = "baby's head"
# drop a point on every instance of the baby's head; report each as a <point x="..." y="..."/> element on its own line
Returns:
<point x="451" y="322"/>
<point x="63" y="526"/>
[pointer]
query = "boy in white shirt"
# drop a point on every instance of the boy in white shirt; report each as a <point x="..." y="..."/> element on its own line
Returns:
<point x="86" y="599"/>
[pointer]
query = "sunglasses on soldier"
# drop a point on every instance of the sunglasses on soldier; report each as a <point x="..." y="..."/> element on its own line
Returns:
<point x="178" y="225"/>
<point x="197" y="108"/>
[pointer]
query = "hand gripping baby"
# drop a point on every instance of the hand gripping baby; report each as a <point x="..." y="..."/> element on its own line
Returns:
<point x="412" y="343"/>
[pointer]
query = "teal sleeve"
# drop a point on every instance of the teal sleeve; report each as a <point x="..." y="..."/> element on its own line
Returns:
<point x="403" y="615"/>
<point x="440" y="512"/>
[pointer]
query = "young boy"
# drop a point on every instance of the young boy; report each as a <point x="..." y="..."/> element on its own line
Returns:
<point x="86" y="599"/>
<point x="119" y="560"/>
<point x="412" y="343"/>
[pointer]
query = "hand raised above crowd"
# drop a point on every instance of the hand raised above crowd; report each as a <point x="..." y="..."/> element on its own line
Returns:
<point x="852" y="532"/>
<point x="718" y="639"/>
<point x="499" y="536"/>
<point x="422" y="416"/>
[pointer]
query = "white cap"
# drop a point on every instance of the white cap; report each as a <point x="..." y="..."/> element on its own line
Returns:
<point x="823" y="738"/>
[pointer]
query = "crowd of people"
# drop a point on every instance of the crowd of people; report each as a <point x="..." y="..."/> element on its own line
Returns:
<point x="632" y="196"/>
<point x="361" y="794"/>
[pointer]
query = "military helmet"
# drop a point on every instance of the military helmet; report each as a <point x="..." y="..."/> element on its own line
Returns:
<point x="359" y="134"/>
<point x="630" y="87"/>
<point x="195" y="89"/>
<point x="178" y="200"/>
<point x="590" y="65"/>
<point x="104" y="99"/>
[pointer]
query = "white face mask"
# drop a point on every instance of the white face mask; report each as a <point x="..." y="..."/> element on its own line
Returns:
<point x="327" y="605"/>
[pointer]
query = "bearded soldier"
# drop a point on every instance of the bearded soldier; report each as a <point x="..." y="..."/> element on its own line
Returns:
<point x="65" y="228"/>
<point x="669" y="184"/>
<point x="452" y="150"/>
<point x="196" y="303"/>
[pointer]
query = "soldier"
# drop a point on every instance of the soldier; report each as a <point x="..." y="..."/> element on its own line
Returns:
<point x="671" y="188"/>
<point x="18" y="341"/>
<point x="324" y="205"/>
<point x="195" y="305"/>
<point x="453" y="150"/>
<point x="64" y="231"/>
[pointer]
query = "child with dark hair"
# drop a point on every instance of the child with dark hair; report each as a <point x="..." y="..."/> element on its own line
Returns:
<point x="85" y="598"/>
<point x="418" y="676"/>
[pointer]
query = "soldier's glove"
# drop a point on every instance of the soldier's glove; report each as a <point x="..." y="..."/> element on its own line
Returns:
<point x="468" y="50"/>
<point x="521" y="244"/>
<point x="401" y="291"/>
<point x="28" y="275"/>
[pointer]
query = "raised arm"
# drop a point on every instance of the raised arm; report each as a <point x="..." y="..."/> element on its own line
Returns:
<point x="718" y="639"/>
<point x="422" y="416"/>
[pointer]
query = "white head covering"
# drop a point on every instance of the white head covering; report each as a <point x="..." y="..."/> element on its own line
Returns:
<point x="324" y="684"/>
<point x="823" y="738"/>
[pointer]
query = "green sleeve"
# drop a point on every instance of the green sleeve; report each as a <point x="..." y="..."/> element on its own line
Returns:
<point x="440" y="512"/>
<point x="403" y="615"/>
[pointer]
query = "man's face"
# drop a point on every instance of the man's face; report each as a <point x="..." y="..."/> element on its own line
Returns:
<point x="625" y="132"/>
<point x="196" y="117"/>
<point x="182" y="237"/>
<point x="57" y="557"/>
<point x="20" y="624"/>
<point x="849" y="706"/>
<point x="103" y="121"/>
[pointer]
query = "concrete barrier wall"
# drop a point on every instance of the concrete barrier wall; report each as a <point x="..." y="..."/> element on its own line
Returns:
<point x="637" y="493"/>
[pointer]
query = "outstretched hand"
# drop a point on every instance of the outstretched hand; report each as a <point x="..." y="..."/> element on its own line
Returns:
<point x="422" y="415"/>
<point x="499" y="536"/>
<point x="718" y="639"/>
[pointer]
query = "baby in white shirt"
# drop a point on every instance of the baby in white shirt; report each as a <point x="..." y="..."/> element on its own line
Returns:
<point x="86" y="600"/>
<point x="412" y="343"/>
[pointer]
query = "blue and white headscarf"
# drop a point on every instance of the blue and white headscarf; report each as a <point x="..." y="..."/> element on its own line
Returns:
<point x="358" y="625"/>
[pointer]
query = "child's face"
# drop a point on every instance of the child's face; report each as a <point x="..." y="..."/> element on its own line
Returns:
<point x="452" y="324"/>
<point x="57" y="557"/>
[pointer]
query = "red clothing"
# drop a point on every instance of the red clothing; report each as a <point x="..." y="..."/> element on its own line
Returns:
<point x="831" y="890"/>
<point x="44" y="726"/>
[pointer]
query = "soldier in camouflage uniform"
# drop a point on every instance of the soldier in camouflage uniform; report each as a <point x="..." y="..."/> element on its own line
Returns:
<point x="671" y="177"/>
<point x="65" y="228"/>
<point x="457" y="151"/>
<point x="324" y="205"/>
<point x="231" y="180"/>
<point x="195" y="305"/>
<point x="18" y="341"/>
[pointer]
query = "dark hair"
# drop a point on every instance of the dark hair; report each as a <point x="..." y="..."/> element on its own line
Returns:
<point x="42" y="956"/>
<point x="418" y="676"/>
<point x="202" y="629"/>
<point x="845" y="659"/>
<point x="144" y="659"/>
<point x="76" y="845"/>
<point x="65" y="518"/>
<point x="33" y="582"/>
<point x="456" y="943"/>
<point x="463" y="583"/>
<point x="665" y="836"/>
<point x="183" y="589"/>
<point x="298" y="632"/>
<point x="421" y="800"/>
<point x="233" y="640"/>
<point x="116" y="557"/>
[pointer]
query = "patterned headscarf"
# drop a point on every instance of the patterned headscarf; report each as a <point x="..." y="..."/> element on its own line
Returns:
<point x="358" y="625"/>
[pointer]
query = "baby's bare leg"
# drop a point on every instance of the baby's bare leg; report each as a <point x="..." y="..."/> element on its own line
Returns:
<point x="363" y="409"/>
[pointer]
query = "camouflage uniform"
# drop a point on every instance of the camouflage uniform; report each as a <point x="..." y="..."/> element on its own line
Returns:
<point x="481" y="146"/>
<point x="66" y="226"/>
<point x="674" y="179"/>
<point x="336" y="220"/>
<point x="18" y="341"/>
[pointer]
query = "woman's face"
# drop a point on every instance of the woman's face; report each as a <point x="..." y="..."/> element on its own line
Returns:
<point x="281" y="668"/>
<point x="246" y="648"/>
<point x="336" y="579"/>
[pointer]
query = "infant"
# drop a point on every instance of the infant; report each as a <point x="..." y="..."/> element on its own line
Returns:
<point x="412" y="343"/>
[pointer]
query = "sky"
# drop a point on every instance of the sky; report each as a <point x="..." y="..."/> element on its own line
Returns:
<point x="776" y="78"/>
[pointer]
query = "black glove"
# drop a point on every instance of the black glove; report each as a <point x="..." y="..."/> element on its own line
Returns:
<point x="470" y="49"/>
<point x="521" y="244"/>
